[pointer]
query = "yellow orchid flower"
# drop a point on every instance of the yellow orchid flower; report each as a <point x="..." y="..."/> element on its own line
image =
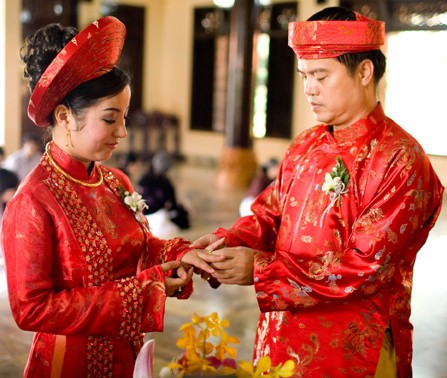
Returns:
<point x="202" y="357"/>
<point x="264" y="369"/>
<point x="283" y="370"/>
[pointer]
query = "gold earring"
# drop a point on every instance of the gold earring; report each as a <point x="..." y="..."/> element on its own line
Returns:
<point x="68" y="138"/>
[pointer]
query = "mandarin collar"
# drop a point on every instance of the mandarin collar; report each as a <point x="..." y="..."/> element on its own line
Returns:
<point x="361" y="127"/>
<point x="72" y="166"/>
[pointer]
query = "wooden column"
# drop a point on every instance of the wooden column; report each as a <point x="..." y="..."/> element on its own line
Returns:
<point x="238" y="164"/>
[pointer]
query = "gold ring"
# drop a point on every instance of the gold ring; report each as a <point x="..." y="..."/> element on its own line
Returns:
<point x="179" y="289"/>
<point x="208" y="252"/>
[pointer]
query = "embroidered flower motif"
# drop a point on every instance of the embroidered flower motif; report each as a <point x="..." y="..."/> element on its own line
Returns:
<point x="335" y="184"/>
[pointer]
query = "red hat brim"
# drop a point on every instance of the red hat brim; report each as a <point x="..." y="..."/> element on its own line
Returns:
<point x="331" y="38"/>
<point x="93" y="52"/>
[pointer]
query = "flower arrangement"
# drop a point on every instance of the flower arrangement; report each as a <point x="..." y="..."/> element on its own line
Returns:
<point x="335" y="184"/>
<point x="202" y="358"/>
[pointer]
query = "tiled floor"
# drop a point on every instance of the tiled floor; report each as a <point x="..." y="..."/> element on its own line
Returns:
<point x="212" y="207"/>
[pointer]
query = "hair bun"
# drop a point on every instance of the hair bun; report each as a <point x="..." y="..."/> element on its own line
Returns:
<point x="40" y="49"/>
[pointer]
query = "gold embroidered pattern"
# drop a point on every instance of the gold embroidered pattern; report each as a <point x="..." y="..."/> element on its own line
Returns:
<point x="167" y="247"/>
<point x="99" y="259"/>
<point x="98" y="256"/>
<point x="99" y="357"/>
<point x="130" y="292"/>
<point x="130" y="288"/>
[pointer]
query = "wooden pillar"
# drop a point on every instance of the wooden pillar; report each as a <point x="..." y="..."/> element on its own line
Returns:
<point x="238" y="163"/>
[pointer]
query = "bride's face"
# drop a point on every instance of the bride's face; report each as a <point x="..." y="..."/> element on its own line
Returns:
<point x="96" y="134"/>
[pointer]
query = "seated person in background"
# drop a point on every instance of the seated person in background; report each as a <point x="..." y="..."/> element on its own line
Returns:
<point x="9" y="182"/>
<point x="25" y="159"/>
<point x="166" y="216"/>
<point x="266" y="175"/>
<point x="130" y="163"/>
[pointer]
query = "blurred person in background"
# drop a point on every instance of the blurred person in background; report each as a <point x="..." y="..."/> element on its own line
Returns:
<point x="165" y="214"/>
<point x="264" y="177"/>
<point x="131" y="164"/>
<point x="9" y="182"/>
<point x="26" y="158"/>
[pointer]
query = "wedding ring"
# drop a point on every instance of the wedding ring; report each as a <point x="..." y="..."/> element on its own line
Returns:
<point x="208" y="252"/>
<point x="179" y="289"/>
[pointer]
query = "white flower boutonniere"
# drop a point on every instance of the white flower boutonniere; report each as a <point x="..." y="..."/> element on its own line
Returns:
<point x="335" y="184"/>
<point x="134" y="202"/>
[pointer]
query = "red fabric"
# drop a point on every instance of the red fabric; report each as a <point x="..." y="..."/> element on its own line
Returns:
<point x="329" y="39"/>
<point x="74" y="273"/>
<point x="327" y="293"/>
<point x="92" y="53"/>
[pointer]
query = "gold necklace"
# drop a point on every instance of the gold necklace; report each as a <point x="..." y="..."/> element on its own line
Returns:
<point x="93" y="185"/>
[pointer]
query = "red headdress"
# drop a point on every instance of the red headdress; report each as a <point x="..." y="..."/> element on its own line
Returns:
<point x="93" y="52"/>
<point x="329" y="39"/>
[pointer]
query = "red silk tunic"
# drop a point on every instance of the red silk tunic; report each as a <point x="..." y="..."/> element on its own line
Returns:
<point x="71" y="257"/>
<point x="329" y="283"/>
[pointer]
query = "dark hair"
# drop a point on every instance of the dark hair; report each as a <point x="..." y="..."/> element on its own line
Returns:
<point x="8" y="180"/>
<point x="352" y="60"/>
<point x="89" y="93"/>
<point x="272" y="162"/>
<point x="39" y="51"/>
<point x="127" y="159"/>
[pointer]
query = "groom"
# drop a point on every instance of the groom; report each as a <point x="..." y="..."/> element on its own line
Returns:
<point x="331" y="244"/>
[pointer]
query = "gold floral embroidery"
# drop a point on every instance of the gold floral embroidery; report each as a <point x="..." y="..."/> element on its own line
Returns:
<point x="319" y="271"/>
<point x="99" y="261"/>
<point x="263" y="259"/>
<point x="372" y="216"/>
<point x="309" y="351"/>
<point x="358" y="335"/>
<point x="306" y="239"/>
<point x="298" y="295"/>
<point x="98" y="257"/>
<point x="130" y="292"/>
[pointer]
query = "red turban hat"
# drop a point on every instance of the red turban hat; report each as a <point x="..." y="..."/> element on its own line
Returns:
<point x="93" y="52"/>
<point x="329" y="39"/>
